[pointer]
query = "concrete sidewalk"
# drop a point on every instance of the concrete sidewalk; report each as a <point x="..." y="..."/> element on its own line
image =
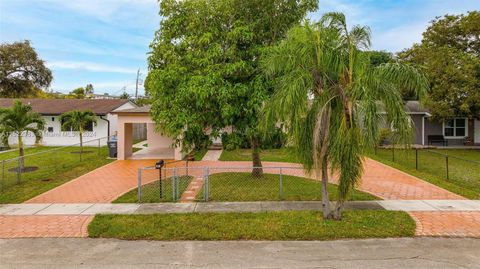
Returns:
<point x="103" y="208"/>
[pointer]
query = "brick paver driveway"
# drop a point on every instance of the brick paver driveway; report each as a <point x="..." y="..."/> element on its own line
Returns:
<point x="106" y="183"/>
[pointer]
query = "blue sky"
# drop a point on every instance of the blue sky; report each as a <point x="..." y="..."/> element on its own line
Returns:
<point x="104" y="42"/>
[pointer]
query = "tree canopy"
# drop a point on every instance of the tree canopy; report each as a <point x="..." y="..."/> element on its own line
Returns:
<point x="22" y="72"/>
<point x="449" y="55"/>
<point x="203" y="65"/>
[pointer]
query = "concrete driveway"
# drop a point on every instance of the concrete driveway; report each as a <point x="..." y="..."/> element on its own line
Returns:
<point x="409" y="253"/>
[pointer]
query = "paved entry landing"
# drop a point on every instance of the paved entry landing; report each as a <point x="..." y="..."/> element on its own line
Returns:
<point x="102" y="185"/>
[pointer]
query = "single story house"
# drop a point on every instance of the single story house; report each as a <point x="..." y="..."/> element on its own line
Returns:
<point x="51" y="109"/>
<point x="457" y="131"/>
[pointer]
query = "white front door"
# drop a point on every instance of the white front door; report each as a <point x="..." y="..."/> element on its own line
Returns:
<point x="476" y="138"/>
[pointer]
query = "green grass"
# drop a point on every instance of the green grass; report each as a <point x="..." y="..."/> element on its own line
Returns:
<point x="245" y="187"/>
<point x="464" y="176"/>
<point x="54" y="168"/>
<point x="267" y="155"/>
<point x="151" y="191"/>
<point x="290" y="225"/>
<point x="199" y="153"/>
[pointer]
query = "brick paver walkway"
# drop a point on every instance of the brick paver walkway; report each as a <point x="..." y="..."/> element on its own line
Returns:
<point x="194" y="188"/>
<point x="457" y="224"/>
<point x="102" y="185"/>
<point x="44" y="226"/>
<point x="112" y="180"/>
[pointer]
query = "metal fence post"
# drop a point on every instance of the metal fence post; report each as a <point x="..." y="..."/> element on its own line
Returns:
<point x="446" y="165"/>
<point x="416" y="159"/>
<point x="206" y="185"/>
<point x="139" y="185"/>
<point x="173" y="185"/>
<point x="99" y="146"/>
<point x="281" y="184"/>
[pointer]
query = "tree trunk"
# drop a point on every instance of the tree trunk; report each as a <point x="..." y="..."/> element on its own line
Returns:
<point x="327" y="213"/>
<point x="337" y="214"/>
<point x="81" y="143"/>
<point x="21" y="152"/>
<point x="257" y="163"/>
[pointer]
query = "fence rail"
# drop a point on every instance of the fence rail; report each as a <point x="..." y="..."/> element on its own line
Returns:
<point x="45" y="165"/>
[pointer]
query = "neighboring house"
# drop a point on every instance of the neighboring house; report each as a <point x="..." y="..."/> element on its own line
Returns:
<point x="51" y="109"/>
<point x="452" y="132"/>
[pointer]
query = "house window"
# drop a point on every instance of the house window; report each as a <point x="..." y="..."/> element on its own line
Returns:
<point x="50" y="129"/>
<point x="53" y="118"/>
<point x="89" y="127"/>
<point x="455" y="127"/>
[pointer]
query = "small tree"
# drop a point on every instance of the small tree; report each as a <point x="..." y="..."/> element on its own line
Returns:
<point x="19" y="120"/>
<point x="77" y="121"/>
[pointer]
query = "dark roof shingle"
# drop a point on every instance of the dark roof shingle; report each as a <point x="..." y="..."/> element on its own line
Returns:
<point x="60" y="106"/>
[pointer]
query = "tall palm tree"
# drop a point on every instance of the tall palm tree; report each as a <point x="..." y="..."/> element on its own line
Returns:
<point x="332" y="99"/>
<point x="78" y="121"/>
<point x="20" y="120"/>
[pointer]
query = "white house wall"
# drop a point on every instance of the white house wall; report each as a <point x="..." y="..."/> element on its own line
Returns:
<point x="59" y="138"/>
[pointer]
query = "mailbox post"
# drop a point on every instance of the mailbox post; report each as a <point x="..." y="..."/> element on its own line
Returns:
<point x="159" y="166"/>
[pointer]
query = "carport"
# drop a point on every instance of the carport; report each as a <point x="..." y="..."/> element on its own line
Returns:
<point x="159" y="146"/>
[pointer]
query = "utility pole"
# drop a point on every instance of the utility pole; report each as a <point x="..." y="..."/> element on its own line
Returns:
<point x="136" y="85"/>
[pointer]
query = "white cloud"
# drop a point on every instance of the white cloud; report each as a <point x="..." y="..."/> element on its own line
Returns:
<point x="399" y="38"/>
<point x="89" y="66"/>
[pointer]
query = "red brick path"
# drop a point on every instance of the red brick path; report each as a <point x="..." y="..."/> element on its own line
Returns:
<point x="44" y="226"/>
<point x="458" y="224"/>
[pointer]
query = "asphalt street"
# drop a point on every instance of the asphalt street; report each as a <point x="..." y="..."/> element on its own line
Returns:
<point x="111" y="253"/>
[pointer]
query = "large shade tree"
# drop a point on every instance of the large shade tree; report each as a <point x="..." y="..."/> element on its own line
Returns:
<point x="449" y="55"/>
<point x="204" y="65"/>
<point x="332" y="99"/>
<point x="22" y="72"/>
<point x="19" y="121"/>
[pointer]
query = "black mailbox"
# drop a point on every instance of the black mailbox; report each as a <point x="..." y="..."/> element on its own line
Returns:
<point x="159" y="164"/>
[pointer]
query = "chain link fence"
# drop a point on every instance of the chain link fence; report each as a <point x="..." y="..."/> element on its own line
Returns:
<point x="47" y="163"/>
<point x="175" y="184"/>
<point x="452" y="168"/>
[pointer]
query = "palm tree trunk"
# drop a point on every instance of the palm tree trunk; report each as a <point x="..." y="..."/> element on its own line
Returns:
<point x="337" y="214"/>
<point x="257" y="163"/>
<point x="21" y="153"/>
<point x="81" y="143"/>
<point x="327" y="213"/>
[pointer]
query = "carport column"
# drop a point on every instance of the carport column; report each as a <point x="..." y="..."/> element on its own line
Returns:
<point x="125" y="140"/>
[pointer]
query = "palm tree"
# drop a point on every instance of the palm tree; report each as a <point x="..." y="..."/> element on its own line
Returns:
<point x="332" y="99"/>
<point x="77" y="121"/>
<point x="20" y="120"/>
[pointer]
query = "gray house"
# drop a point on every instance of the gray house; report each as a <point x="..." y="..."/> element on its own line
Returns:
<point x="456" y="131"/>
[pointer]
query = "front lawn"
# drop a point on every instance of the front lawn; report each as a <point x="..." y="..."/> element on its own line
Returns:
<point x="288" y="225"/>
<point x="233" y="186"/>
<point x="267" y="155"/>
<point x="54" y="167"/>
<point x="463" y="167"/>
